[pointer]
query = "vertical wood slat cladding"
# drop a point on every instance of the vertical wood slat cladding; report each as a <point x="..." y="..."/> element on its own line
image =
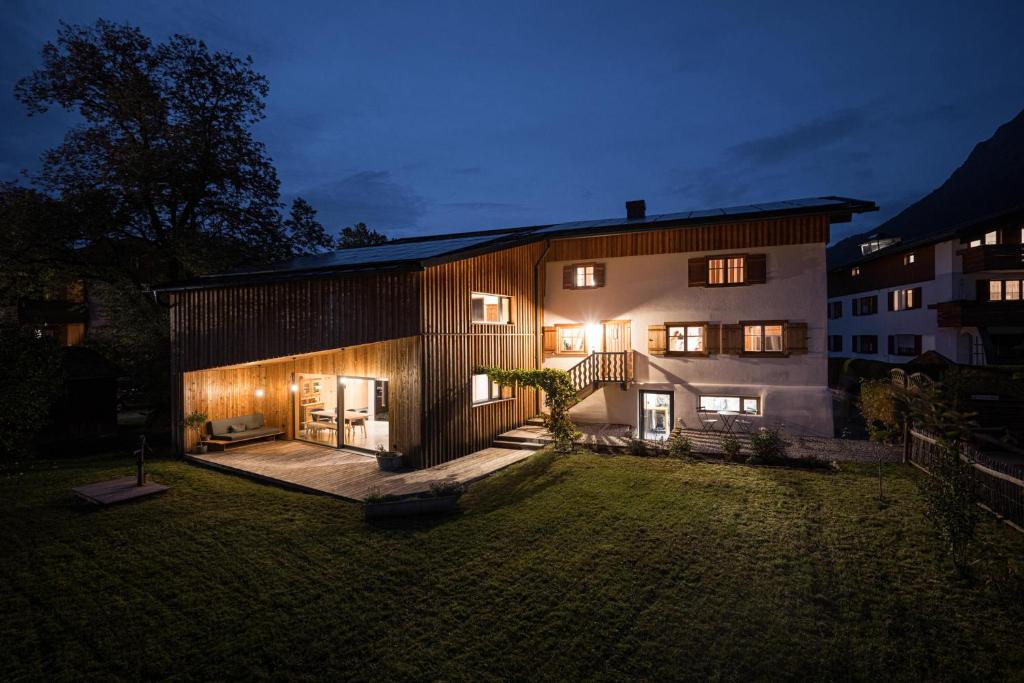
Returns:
<point x="768" y="233"/>
<point x="230" y="325"/>
<point x="228" y="392"/>
<point x="453" y="346"/>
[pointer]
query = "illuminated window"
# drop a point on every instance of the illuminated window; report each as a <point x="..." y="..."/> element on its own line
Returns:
<point x="571" y="339"/>
<point x="491" y="309"/>
<point x="716" y="271"/>
<point x="584" y="277"/>
<point x="746" y="404"/>
<point x="992" y="237"/>
<point x="995" y="290"/>
<point x="734" y="273"/>
<point x="855" y="271"/>
<point x="904" y="299"/>
<point x="908" y="259"/>
<point x="484" y="390"/>
<point x="687" y="338"/>
<point x="766" y="338"/>
<point x="974" y="243"/>
<point x="1012" y="290"/>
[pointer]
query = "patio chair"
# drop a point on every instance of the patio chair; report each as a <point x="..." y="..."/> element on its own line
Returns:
<point x="743" y="425"/>
<point x="706" y="421"/>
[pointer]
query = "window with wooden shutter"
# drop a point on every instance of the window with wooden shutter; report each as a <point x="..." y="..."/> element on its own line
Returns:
<point x="599" y="275"/>
<point x="568" y="277"/>
<point x="583" y="276"/>
<point x="982" y="286"/>
<point x="550" y="340"/>
<point x="796" y="337"/>
<point x="757" y="269"/>
<point x="698" y="272"/>
<point x="714" y="337"/>
<point x="732" y="339"/>
<point x="656" y="340"/>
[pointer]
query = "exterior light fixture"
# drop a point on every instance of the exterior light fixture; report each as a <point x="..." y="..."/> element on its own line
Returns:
<point x="295" y="388"/>
<point x="259" y="393"/>
<point x="593" y="332"/>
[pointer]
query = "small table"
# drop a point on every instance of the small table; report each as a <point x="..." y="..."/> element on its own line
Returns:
<point x="728" y="419"/>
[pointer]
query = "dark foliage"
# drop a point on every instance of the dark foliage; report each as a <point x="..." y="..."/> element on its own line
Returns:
<point x="30" y="377"/>
<point x="359" y="236"/>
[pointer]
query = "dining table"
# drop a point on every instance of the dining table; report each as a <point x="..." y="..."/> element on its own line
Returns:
<point x="332" y="415"/>
<point x="728" y="419"/>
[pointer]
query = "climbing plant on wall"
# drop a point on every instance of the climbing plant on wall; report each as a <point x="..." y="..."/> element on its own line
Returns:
<point x="559" y="396"/>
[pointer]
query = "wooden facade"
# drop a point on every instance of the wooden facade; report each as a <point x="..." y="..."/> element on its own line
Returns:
<point x="412" y="327"/>
<point x="883" y="272"/>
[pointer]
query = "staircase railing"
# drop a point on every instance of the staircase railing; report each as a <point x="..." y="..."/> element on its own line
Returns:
<point x="602" y="367"/>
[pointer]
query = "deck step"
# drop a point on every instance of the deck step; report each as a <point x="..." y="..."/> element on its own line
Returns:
<point x="517" y="445"/>
<point x="535" y="421"/>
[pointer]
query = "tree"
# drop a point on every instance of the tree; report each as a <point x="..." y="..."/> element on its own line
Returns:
<point x="359" y="236"/>
<point x="305" y="231"/>
<point x="30" y="373"/>
<point x="165" y="156"/>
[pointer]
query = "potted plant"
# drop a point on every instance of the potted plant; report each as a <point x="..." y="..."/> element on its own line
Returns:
<point x="196" y="422"/>
<point x="388" y="461"/>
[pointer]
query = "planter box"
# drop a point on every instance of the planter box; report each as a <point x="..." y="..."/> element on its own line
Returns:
<point x="408" y="507"/>
<point x="389" y="463"/>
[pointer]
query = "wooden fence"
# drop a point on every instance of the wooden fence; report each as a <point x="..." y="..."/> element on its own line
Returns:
<point x="999" y="485"/>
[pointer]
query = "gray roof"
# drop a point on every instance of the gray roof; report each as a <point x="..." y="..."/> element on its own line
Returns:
<point x="420" y="252"/>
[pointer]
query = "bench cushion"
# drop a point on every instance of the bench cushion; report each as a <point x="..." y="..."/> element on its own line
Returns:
<point x="219" y="428"/>
<point x="248" y="434"/>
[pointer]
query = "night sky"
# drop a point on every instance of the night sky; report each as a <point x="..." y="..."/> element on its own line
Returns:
<point x="433" y="117"/>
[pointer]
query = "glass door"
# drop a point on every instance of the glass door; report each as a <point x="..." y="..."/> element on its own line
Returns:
<point x="365" y="412"/>
<point x="656" y="415"/>
<point x="317" y="403"/>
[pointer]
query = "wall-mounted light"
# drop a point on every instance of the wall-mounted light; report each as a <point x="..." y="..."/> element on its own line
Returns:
<point x="259" y="393"/>
<point x="295" y="388"/>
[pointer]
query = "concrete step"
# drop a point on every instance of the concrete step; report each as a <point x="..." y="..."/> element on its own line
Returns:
<point x="535" y="421"/>
<point x="517" y="445"/>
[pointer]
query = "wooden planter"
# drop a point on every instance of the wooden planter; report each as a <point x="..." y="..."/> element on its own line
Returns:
<point x="409" y="507"/>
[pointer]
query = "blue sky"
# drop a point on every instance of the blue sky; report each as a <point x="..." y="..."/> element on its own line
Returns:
<point x="428" y="117"/>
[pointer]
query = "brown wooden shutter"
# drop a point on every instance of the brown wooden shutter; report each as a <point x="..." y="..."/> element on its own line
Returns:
<point x="796" y="337"/>
<point x="568" y="277"/>
<point x="982" y="286"/>
<point x="698" y="272"/>
<point x="550" y="340"/>
<point x="656" y="340"/>
<point x="599" y="275"/>
<point x="892" y="345"/>
<point x="917" y="345"/>
<point x="732" y="339"/>
<point x="713" y="342"/>
<point x="891" y="298"/>
<point x="757" y="269"/>
<point x="917" y="297"/>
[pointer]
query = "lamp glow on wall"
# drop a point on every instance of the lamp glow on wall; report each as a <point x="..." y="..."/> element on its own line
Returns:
<point x="295" y="388"/>
<point x="260" y="392"/>
<point x="593" y="332"/>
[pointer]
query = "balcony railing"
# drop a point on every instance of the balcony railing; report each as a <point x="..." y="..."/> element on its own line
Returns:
<point x="979" y="313"/>
<point x="993" y="257"/>
<point x="602" y="367"/>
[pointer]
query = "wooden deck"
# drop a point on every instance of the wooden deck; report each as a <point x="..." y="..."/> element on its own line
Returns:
<point x="117" y="490"/>
<point x="346" y="474"/>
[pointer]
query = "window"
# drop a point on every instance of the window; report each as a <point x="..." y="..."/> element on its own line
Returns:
<point x="485" y="391"/>
<point x="905" y="344"/>
<point x="855" y="271"/>
<point x="571" y="339"/>
<point x="835" y="310"/>
<point x="865" y="305"/>
<point x="727" y="271"/>
<point x="583" y="276"/>
<point x="835" y="343"/>
<point x="1005" y="290"/>
<point x="864" y="343"/>
<point x="687" y="338"/>
<point x="749" y="405"/>
<point x="491" y="309"/>
<point x="908" y="259"/>
<point x="904" y="299"/>
<point x="762" y="338"/>
<point x="974" y="243"/>
<point x="992" y="237"/>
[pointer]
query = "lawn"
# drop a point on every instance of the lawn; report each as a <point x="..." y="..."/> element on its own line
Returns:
<point x="577" y="567"/>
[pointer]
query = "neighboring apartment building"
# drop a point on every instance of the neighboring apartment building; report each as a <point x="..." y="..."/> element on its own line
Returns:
<point x="957" y="292"/>
<point x="654" y="316"/>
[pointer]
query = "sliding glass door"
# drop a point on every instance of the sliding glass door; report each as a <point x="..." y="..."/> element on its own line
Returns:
<point x="317" y="401"/>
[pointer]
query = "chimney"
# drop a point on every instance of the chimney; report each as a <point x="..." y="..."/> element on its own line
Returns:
<point x="636" y="209"/>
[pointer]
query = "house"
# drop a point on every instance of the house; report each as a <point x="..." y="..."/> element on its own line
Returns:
<point x="956" y="292"/>
<point x="945" y="274"/>
<point x="653" y="316"/>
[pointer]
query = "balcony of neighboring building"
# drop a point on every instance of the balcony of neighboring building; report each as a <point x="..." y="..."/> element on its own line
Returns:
<point x="966" y="313"/>
<point x="984" y="257"/>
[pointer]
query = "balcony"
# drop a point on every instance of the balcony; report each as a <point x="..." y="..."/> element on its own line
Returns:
<point x="980" y="313"/>
<point x="993" y="257"/>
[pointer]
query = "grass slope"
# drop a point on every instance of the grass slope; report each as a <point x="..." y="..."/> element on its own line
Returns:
<point x="580" y="567"/>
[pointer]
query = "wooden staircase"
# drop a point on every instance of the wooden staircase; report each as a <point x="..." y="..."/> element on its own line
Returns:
<point x="593" y="372"/>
